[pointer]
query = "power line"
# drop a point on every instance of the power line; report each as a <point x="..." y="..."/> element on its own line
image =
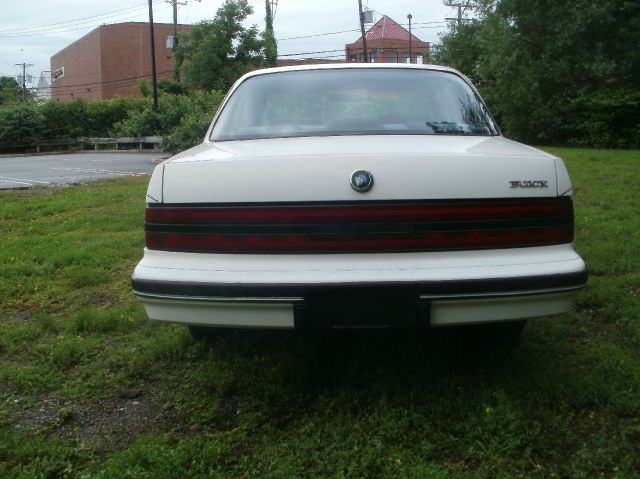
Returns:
<point x="318" y="35"/>
<point x="73" y="21"/>
<point x="311" y="53"/>
<point x="462" y="8"/>
<point x="76" y="26"/>
<point x="120" y="82"/>
<point x="436" y="25"/>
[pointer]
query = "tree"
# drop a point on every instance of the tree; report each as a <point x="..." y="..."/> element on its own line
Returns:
<point x="555" y="72"/>
<point x="214" y="53"/>
<point x="269" y="39"/>
<point x="10" y="90"/>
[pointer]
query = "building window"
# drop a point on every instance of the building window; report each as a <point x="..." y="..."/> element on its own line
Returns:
<point x="406" y="58"/>
<point x="393" y="57"/>
<point x="374" y="56"/>
<point x="362" y="57"/>
<point x="353" y="57"/>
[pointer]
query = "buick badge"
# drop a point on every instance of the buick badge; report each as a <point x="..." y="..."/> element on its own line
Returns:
<point x="361" y="181"/>
<point x="529" y="184"/>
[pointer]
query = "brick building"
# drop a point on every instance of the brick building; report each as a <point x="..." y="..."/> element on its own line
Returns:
<point x="108" y="61"/>
<point x="388" y="42"/>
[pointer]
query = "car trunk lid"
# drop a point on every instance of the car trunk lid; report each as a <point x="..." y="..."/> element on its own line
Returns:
<point x="319" y="169"/>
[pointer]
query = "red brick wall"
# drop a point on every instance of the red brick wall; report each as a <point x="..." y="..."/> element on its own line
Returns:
<point x="119" y="55"/>
<point x="82" y="69"/>
<point x="387" y="46"/>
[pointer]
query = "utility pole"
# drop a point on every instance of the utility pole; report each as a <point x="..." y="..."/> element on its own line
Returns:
<point x="364" y="36"/>
<point x="154" y="80"/>
<point x="174" y="4"/>
<point x="24" y="79"/>
<point x="410" y="38"/>
<point x="461" y="9"/>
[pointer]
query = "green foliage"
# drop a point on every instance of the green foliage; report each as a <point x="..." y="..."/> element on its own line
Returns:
<point x="164" y="86"/>
<point x="26" y="123"/>
<point x="555" y="72"/>
<point x="10" y="90"/>
<point x="173" y="87"/>
<point x="181" y="119"/>
<point x="20" y="123"/>
<point x="214" y="53"/>
<point x="269" y="39"/>
<point x="605" y="117"/>
<point x="86" y="118"/>
<point x="138" y="123"/>
<point x="193" y="125"/>
<point x="144" y="87"/>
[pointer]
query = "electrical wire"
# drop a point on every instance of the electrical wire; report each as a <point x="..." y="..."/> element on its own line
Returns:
<point x="77" y="21"/>
<point x="357" y="30"/>
<point x="110" y="82"/>
<point x="311" y="53"/>
<point x="317" y="35"/>
<point x="119" y="17"/>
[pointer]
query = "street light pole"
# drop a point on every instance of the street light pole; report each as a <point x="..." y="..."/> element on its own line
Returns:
<point x="410" y="38"/>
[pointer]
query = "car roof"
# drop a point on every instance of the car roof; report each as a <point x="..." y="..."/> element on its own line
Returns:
<point x="351" y="66"/>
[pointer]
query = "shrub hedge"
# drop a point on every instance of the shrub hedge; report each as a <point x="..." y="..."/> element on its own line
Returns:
<point x="182" y="119"/>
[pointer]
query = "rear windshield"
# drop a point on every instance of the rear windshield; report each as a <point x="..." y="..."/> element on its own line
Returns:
<point x="352" y="102"/>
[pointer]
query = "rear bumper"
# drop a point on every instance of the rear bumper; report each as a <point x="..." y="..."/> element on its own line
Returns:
<point x="411" y="289"/>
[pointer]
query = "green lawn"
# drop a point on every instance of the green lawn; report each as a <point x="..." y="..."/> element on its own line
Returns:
<point x="90" y="388"/>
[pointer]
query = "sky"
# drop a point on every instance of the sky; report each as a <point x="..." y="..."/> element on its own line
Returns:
<point x="31" y="31"/>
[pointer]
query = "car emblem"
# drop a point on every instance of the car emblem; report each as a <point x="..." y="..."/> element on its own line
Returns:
<point x="361" y="181"/>
<point x="529" y="184"/>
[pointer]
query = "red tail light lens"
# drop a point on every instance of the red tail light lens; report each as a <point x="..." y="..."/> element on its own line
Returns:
<point x="362" y="227"/>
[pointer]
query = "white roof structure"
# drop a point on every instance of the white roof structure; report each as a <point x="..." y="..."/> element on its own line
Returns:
<point x="43" y="88"/>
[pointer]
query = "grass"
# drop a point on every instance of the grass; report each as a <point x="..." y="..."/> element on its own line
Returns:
<point x="90" y="388"/>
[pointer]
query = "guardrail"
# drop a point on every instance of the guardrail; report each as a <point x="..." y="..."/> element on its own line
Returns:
<point x="138" y="142"/>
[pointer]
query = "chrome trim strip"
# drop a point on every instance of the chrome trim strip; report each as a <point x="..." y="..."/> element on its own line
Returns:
<point x="295" y="299"/>
<point x="534" y="292"/>
<point x="218" y="299"/>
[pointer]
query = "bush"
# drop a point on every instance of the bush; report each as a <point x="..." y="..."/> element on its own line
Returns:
<point x="86" y="118"/>
<point x="20" y="123"/>
<point x="182" y="119"/>
<point x="606" y="119"/>
<point x="193" y="126"/>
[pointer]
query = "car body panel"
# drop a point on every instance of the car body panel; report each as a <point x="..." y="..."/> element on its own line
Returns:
<point x="257" y="290"/>
<point x="318" y="169"/>
<point x="281" y="281"/>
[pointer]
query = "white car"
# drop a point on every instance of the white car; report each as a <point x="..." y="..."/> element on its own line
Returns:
<point x="357" y="196"/>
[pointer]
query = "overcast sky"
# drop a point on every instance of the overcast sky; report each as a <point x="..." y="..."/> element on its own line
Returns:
<point x="31" y="31"/>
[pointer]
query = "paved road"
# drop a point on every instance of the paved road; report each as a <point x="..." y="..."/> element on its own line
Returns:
<point x="45" y="170"/>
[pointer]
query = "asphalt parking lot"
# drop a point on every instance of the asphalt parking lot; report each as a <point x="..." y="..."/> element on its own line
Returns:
<point x="69" y="168"/>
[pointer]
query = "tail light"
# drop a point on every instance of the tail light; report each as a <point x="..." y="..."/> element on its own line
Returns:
<point x="360" y="227"/>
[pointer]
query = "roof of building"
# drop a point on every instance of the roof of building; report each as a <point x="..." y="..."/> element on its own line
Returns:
<point x="387" y="29"/>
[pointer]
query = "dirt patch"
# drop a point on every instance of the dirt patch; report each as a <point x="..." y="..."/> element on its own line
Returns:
<point x="17" y="317"/>
<point x="106" y="424"/>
